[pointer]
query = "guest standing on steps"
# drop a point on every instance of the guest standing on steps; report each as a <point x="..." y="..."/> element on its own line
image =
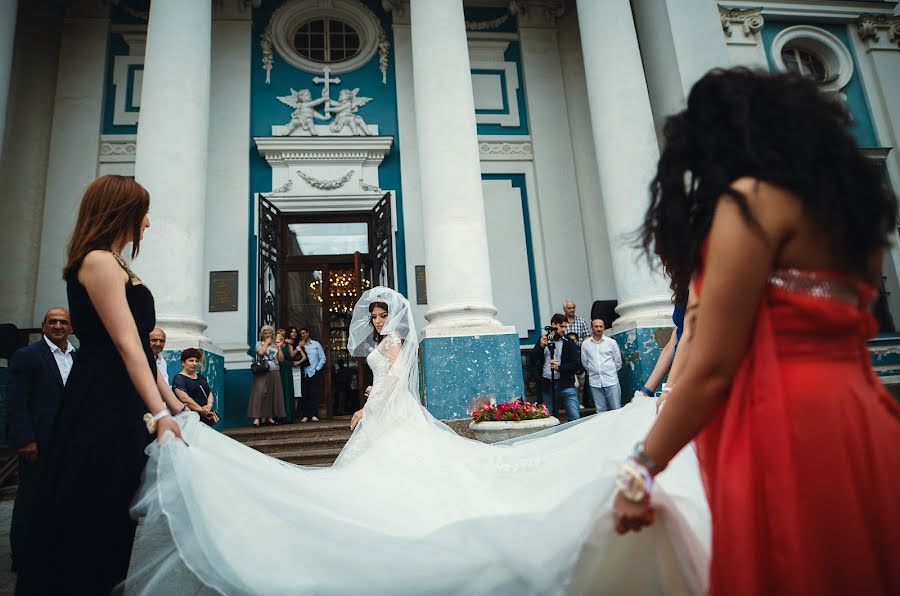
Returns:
<point x="312" y="390"/>
<point x="267" y="397"/>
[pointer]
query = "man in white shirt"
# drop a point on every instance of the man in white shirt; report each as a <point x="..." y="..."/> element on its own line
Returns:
<point x="157" y="345"/>
<point x="602" y="360"/>
<point x="37" y="375"/>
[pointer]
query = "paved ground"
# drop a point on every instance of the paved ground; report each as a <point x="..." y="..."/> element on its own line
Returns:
<point x="149" y="546"/>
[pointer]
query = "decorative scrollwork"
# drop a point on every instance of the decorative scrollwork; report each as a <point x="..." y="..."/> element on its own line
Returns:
<point x="868" y="27"/>
<point x="326" y="184"/>
<point x="750" y="20"/>
<point x="369" y="187"/>
<point x="284" y="187"/>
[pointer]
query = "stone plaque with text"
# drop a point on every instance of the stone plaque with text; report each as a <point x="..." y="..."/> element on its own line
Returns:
<point x="421" y="285"/>
<point x="223" y="291"/>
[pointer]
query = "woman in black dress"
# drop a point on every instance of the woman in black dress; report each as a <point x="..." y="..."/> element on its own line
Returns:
<point x="96" y="454"/>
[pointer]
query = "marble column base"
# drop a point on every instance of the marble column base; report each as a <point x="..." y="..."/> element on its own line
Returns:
<point x="461" y="366"/>
<point x="640" y="347"/>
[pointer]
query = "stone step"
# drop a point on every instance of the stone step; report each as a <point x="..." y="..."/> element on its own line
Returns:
<point x="308" y="457"/>
<point x="324" y="428"/>
<point x="297" y="443"/>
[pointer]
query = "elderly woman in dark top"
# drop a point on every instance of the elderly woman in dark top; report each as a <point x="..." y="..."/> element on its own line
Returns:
<point x="192" y="388"/>
<point x="267" y="396"/>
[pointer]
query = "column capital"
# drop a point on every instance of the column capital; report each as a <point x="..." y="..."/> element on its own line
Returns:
<point x="399" y="9"/>
<point x="537" y="13"/>
<point x="871" y="27"/>
<point x="749" y="20"/>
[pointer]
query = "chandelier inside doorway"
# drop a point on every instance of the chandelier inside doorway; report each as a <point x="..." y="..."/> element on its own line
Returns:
<point x="344" y="289"/>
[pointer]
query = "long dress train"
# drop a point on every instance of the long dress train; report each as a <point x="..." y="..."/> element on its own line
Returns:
<point x="412" y="508"/>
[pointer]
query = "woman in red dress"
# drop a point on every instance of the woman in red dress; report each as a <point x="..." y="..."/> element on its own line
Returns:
<point x="764" y="201"/>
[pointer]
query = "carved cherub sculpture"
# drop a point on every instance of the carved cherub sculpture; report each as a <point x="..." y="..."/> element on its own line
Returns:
<point x="344" y="111"/>
<point x="304" y="111"/>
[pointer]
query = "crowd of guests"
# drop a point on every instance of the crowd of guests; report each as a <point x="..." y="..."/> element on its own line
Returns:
<point x="287" y="376"/>
<point x="576" y="364"/>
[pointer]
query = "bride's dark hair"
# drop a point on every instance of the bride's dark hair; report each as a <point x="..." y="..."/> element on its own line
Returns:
<point x="383" y="306"/>
<point x="778" y="128"/>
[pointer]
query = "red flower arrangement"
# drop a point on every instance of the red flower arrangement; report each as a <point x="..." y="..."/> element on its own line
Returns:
<point x="511" y="411"/>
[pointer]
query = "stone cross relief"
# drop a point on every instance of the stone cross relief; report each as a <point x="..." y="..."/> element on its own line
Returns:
<point x="342" y="112"/>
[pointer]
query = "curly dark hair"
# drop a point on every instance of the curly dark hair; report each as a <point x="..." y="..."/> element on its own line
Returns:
<point x="778" y="128"/>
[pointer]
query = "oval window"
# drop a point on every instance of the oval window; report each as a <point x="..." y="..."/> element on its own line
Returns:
<point x="326" y="40"/>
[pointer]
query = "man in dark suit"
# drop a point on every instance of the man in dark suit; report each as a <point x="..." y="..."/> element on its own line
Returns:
<point x="555" y="358"/>
<point x="37" y="375"/>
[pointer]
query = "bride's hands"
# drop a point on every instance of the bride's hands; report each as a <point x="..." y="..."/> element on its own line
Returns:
<point x="357" y="416"/>
<point x="630" y="516"/>
<point x="167" y="423"/>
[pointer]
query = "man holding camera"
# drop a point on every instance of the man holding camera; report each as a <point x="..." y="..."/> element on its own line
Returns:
<point x="557" y="358"/>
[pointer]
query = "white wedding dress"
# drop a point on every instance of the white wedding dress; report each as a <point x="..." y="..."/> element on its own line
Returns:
<point x="411" y="508"/>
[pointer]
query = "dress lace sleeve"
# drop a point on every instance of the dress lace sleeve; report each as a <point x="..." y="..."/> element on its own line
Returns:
<point x="390" y="346"/>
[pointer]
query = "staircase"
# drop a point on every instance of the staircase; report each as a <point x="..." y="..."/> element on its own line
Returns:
<point x="306" y="444"/>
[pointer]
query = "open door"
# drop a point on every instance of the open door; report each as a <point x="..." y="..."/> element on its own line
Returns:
<point x="269" y="263"/>
<point x="383" y="243"/>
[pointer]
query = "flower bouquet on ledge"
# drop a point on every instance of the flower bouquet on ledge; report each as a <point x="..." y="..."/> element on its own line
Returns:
<point x="493" y="422"/>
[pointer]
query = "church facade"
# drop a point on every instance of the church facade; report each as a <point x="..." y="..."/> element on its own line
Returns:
<point x="487" y="159"/>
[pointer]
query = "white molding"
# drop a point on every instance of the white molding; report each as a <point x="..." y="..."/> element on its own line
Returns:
<point x="820" y="42"/>
<point x="822" y="10"/>
<point x="117" y="148"/>
<point x="505" y="148"/>
<point x="121" y="64"/>
<point x="291" y="15"/>
<point x="487" y="54"/>
<point x="339" y="148"/>
<point x="319" y="203"/>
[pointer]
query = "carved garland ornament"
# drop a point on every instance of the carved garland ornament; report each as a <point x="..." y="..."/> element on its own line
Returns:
<point x="284" y="187"/>
<point x="326" y="184"/>
<point x="369" y="187"/>
<point x="869" y="26"/>
<point x="485" y="25"/>
<point x="750" y="20"/>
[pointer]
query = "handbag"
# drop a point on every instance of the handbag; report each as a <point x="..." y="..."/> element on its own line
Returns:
<point x="258" y="366"/>
<point x="214" y="416"/>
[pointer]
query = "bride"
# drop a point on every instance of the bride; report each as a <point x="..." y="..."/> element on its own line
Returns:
<point x="409" y="507"/>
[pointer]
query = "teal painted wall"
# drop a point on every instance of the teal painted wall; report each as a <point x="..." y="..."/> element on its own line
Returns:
<point x="266" y="111"/>
<point x="640" y="351"/>
<point x="237" y="384"/>
<point x="863" y="129"/>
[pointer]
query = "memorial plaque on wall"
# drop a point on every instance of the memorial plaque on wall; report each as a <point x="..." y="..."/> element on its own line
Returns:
<point x="421" y="285"/>
<point x="223" y="291"/>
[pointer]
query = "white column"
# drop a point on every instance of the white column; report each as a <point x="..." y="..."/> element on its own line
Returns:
<point x="456" y="247"/>
<point x="561" y="211"/>
<point x="74" y="142"/>
<point x="171" y="163"/>
<point x="627" y="152"/>
<point x="8" y="9"/>
<point x="23" y="168"/>
<point x="229" y="177"/>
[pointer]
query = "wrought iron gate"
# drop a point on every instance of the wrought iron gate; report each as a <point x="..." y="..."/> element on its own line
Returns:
<point x="383" y="273"/>
<point x="269" y="263"/>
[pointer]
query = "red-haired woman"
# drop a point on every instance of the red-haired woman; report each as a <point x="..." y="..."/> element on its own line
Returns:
<point x="96" y="455"/>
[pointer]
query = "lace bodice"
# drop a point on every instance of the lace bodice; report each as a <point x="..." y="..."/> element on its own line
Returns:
<point x="379" y="361"/>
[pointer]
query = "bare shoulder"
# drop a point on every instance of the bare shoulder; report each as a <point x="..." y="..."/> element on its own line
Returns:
<point x="776" y="209"/>
<point x="101" y="265"/>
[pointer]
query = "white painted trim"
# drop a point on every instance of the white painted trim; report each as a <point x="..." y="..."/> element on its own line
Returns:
<point x="120" y="81"/>
<point x="285" y="21"/>
<point x="541" y="273"/>
<point x="822" y="11"/>
<point x="505" y="148"/>
<point x="825" y="45"/>
<point x="495" y="35"/>
<point x="511" y="118"/>
<point x="117" y="149"/>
